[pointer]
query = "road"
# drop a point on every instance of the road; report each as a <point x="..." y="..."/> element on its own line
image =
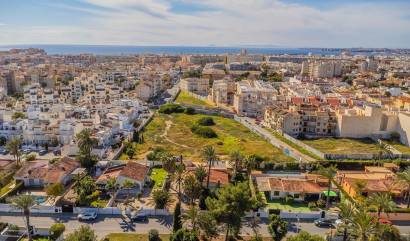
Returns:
<point x="106" y="224"/>
<point x="250" y="123"/>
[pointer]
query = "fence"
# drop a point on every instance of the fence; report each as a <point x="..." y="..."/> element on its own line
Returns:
<point x="303" y="145"/>
<point x="37" y="209"/>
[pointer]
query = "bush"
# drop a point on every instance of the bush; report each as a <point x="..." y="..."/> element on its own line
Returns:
<point x="206" y="121"/>
<point x="189" y="111"/>
<point x="153" y="235"/>
<point x="56" y="230"/>
<point x="171" y="108"/>
<point x="204" y="131"/>
<point x="289" y="200"/>
<point x="312" y="206"/>
<point x="321" y="203"/>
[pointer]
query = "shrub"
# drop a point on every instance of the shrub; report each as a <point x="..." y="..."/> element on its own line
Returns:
<point x="171" y="108"/>
<point x="289" y="200"/>
<point x="189" y="111"/>
<point x="321" y="203"/>
<point x="312" y="205"/>
<point x="206" y="121"/>
<point x="204" y="131"/>
<point x="153" y="235"/>
<point x="56" y="230"/>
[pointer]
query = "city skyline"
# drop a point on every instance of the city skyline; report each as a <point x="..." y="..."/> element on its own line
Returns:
<point x="286" y="23"/>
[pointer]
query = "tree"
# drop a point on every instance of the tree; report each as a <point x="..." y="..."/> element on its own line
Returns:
<point x="249" y="163"/>
<point x="129" y="150"/>
<point x="277" y="227"/>
<point x="382" y="201"/>
<point x="55" y="189"/>
<point x="383" y="149"/>
<point x="13" y="146"/>
<point x="191" y="216"/>
<point x="153" y="235"/>
<point x="84" y="233"/>
<point x="200" y="174"/>
<point x="403" y="178"/>
<point x="363" y="225"/>
<point x="305" y="236"/>
<point x="178" y="177"/>
<point x="235" y="162"/>
<point x="56" y="230"/>
<point x="347" y="210"/>
<point x="18" y="115"/>
<point x="329" y="173"/>
<point x="111" y="186"/>
<point x="25" y="203"/>
<point x="207" y="225"/>
<point x="161" y="199"/>
<point x="168" y="162"/>
<point x="184" y="235"/>
<point x="86" y="143"/>
<point x="177" y="218"/>
<point x="229" y="206"/>
<point x="210" y="156"/>
<point x="388" y="233"/>
<point x="84" y="188"/>
<point x="192" y="188"/>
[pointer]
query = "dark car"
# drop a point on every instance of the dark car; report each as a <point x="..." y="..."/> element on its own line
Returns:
<point x="4" y="152"/>
<point x="141" y="218"/>
<point x="324" y="222"/>
<point x="57" y="152"/>
<point x="42" y="152"/>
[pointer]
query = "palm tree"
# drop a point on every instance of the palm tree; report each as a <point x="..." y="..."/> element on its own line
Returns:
<point x="13" y="146"/>
<point x="329" y="173"/>
<point x="404" y="179"/>
<point x="86" y="142"/>
<point x="191" y="216"/>
<point x="363" y="225"/>
<point x="235" y="162"/>
<point x="111" y="186"/>
<point x="24" y="203"/>
<point x="347" y="210"/>
<point x="178" y="177"/>
<point x="210" y="156"/>
<point x="250" y="163"/>
<point x="200" y="174"/>
<point x="161" y="199"/>
<point x="382" y="201"/>
<point x="383" y="149"/>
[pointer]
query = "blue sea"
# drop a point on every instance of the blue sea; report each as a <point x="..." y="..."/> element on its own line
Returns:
<point x="170" y="50"/>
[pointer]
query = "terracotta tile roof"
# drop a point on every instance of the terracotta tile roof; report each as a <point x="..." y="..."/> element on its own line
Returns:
<point x="219" y="176"/>
<point x="32" y="170"/>
<point x="134" y="171"/>
<point x="295" y="185"/>
<point x="110" y="173"/>
<point x="297" y="100"/>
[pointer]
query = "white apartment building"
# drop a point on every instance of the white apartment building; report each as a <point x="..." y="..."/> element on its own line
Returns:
<point x="198" y="86"/>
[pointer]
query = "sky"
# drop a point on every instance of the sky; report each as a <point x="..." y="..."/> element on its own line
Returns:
<point x="276" y="23"/>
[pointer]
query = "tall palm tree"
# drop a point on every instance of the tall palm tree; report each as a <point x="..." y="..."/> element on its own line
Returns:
<point x="210" y="156"/>
<point x="404" y="179"/>
<point x="13" y="146"/>
<point x="191" y="216"/>
<point x="200" y="174"/>
<point x="383" y="149"/>
<point x="86" y="141"/>
<point x="24" y="203"/>
<point x="111" y="186"/>
<point x="235" y="162"/>
<point x="329" y="173"/>
<point x="250" y="163"/>
<point x="347" y="210"/>
<point x="178" y="177"/>
<point x="382" y="201"/>
<point x="363" y="225"/>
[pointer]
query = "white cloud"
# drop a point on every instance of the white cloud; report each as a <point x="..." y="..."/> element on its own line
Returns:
<point x="230" y="22"/>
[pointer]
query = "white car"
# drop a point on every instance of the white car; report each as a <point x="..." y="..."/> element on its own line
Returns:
<point x="87" y="216"/>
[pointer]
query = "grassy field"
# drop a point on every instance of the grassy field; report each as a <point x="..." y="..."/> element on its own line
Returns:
<point x="172" y="132"/>
<point x="132" y="236"/>
<point x="185" y="98"/>
<point x="344" y="145"/>
<point x="398" y="146"/>
<point x="158" y="175"/>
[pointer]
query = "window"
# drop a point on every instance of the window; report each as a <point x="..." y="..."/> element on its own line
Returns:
<point x="276" y="193"/>
<point x="296" y="195"/>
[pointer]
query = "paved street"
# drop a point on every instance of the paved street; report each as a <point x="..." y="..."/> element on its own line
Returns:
<point x="109" y="224"/>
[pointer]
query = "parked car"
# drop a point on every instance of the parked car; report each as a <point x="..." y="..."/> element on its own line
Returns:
<point x="57" y="152"/>
<point x="26" y="151"/>
<point x="322" y="222"/>
<point x="142" y="218"/>
<point x="42" y="152"/>
<point x="87" y="216"/>
<point x="4" y="152"/>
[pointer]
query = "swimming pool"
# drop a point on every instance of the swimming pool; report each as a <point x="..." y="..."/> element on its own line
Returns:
<point x="39" y="199"/>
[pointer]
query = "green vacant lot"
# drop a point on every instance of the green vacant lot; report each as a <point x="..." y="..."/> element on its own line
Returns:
<point x="185" y="98"/>
<point x="344" y="145"/>
<point x="132" y="236"/>
<point x="173" y="133"/>
<point x="158" y="175"/>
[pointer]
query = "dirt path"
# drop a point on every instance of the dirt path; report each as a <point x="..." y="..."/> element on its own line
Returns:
<point x="164" y="135"/>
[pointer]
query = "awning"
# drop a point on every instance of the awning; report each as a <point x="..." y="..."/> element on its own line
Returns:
<point x="330" y="194"/>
